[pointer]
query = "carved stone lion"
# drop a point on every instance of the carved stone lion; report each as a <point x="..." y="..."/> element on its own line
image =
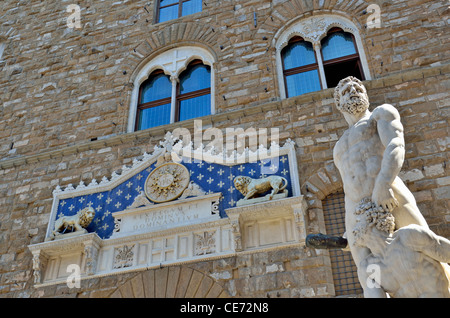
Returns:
<point x="74" y="223"/>
<point x="250" y="187"/>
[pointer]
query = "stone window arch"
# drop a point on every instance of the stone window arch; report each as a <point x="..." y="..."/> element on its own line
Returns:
<point x="317" y="70"/>
<point x="172" y="65"/>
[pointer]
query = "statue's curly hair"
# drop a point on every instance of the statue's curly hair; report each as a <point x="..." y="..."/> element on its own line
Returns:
<point x="373" y="216"/>
<point x="342" y="82"/>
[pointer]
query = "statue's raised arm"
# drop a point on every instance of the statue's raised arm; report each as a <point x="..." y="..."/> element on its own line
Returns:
<point x="390" y="132"/>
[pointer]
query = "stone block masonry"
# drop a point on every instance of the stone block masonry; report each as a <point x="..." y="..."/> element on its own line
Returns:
<point x="85" y="73"/>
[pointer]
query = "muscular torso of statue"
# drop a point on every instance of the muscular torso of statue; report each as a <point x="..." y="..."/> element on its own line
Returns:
<point x="358" y="155"/>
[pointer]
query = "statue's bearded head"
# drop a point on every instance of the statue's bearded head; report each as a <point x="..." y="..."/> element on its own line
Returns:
<point x="351" y="96"/>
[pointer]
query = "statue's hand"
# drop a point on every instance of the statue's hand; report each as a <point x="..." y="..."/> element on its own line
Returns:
<point x="383" y="197"/>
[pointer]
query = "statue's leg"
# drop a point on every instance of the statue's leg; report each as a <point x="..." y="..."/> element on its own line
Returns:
<point x="407" y="211"/>
<point x="275" y="190"/>
<point x="77" y="227"/>
<point x="359" y="253"/>
<point x="375" y="290"/>
<point x="250" y="194"/>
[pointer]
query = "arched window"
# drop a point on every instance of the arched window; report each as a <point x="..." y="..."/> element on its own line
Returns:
<point x="174" y="86"/>
<point x="301" y="71"/>
<point x="340" y="57"/>
<point x="316" y="53"/>
<point x="155" y="99"/>
<point x="194" y="92"/>
<point x="193" y="97"/>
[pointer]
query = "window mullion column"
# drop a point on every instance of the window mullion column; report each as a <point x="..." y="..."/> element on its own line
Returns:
<point x="173" y="107"/>
<point x="317" y="49"/>
<point x="180" y="8"/>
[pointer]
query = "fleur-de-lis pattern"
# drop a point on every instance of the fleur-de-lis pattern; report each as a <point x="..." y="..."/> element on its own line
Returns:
<point x="211" y="177"/>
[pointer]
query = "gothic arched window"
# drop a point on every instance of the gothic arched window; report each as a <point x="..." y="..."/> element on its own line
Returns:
<point x="316" y="53"/>
<point x="301" y="71"/>
<point x="194" y="92"/>
<point x="154" y="101"/>
<point x="174" y="86"/>
<point x="340" y="57"/>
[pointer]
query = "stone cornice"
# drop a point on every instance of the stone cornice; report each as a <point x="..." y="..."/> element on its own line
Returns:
<point x="80" y="147"/>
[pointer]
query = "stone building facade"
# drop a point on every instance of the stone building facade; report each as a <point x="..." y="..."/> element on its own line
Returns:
<point x="68" y="95"/>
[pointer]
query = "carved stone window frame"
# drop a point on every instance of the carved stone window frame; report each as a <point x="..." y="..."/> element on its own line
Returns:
<point x="313" y="29"/>
<point x="172" y="62"/>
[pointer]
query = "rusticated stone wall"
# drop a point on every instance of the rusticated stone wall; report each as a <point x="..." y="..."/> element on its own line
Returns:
<point x="49" y="70"/>
<point x="64" y="99"/>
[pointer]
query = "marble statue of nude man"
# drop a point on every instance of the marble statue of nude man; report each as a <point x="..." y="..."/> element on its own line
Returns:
<point x="407" y="263"/>
<point x="369" y="157"/>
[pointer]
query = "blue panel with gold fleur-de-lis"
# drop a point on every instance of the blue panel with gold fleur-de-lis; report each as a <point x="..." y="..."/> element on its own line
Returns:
<point x="211" y="177"/>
